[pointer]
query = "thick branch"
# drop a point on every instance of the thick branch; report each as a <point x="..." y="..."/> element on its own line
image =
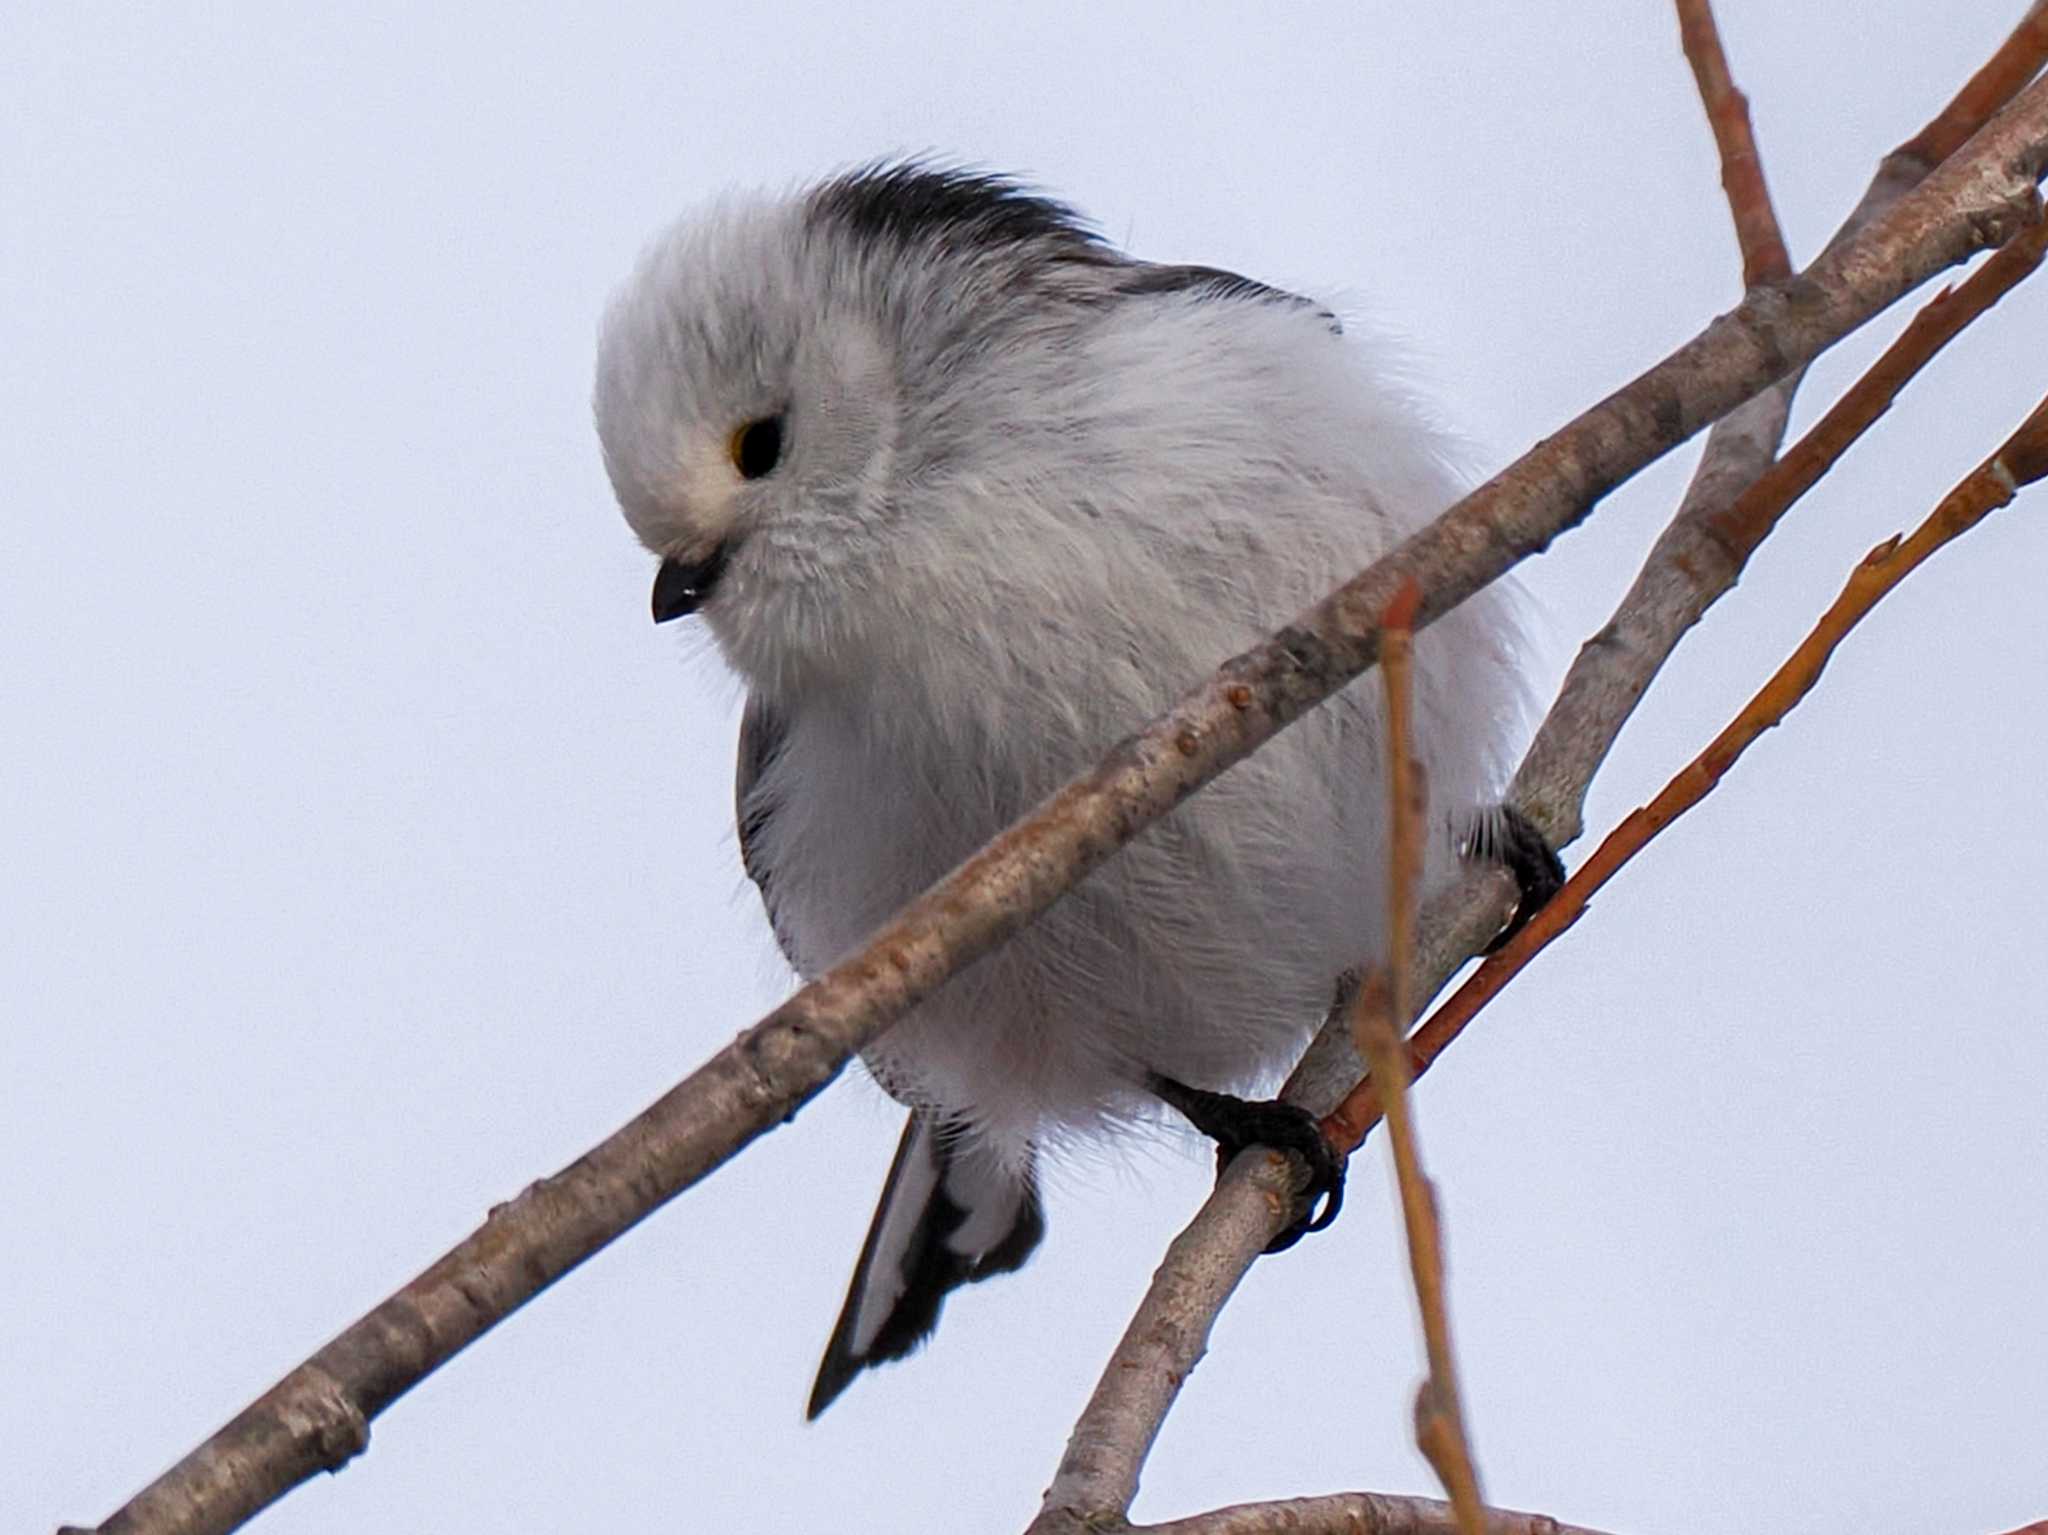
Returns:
<point x="763" y="1077"/>
<point x="1373" y="1513"/>
<point x="1165" y="1340"/>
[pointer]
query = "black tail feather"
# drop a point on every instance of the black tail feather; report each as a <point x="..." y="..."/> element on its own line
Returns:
<point x="914" y="1255"/>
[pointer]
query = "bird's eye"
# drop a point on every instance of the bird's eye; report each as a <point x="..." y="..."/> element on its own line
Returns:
<point x="756" y="448"/>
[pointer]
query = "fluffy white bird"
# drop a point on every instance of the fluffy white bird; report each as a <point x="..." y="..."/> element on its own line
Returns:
<point x="964" y="494"/>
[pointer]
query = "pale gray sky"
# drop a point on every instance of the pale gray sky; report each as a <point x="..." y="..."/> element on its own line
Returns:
<point x="368" y="853"/>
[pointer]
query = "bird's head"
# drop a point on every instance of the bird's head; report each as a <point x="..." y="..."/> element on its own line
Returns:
<point x="776" y="371"/>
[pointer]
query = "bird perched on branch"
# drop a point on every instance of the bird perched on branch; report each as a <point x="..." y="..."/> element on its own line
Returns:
<point x="964" y="495"/>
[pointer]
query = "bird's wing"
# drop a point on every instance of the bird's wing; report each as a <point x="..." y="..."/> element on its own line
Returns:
<point x="762" y="736"/>
<point x="945" y="1219"/>
<point x="1214" y="282"/>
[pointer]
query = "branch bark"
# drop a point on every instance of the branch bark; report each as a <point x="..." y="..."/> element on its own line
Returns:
<point x="316" y="1417"/>
<point x="1353" y="1513"/>
<point x="1374" y="1513"/>
<point x="1693" y="565"/>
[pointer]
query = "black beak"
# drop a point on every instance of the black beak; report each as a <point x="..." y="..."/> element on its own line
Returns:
<point x="679" y="589"/>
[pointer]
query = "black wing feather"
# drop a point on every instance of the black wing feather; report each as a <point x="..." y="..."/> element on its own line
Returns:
<point x="762" y="736"/>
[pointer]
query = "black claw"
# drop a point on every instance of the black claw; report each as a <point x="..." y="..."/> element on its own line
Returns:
<point x="1513" y="841"/>
<point x="1236" y="1124"/>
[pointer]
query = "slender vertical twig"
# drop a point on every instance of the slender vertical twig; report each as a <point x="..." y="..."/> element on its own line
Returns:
<point x="1742" y="169"/>
<point x="1379" y="1012"/>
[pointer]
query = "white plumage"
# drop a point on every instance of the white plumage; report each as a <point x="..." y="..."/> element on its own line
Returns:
<point x="1024" y="490"/>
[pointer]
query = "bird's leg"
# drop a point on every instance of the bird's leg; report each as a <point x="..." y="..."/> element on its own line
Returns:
<point x="1237" y="1124"/>
<point x="1511" y="839"/>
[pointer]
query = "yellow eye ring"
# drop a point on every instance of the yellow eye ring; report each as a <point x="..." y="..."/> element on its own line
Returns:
<point x="755" y="448"/>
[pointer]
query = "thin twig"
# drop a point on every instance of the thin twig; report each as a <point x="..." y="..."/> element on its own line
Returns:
<point x="2018" y="59"/>
<point x="1742" y="170"/>
<point x="1742" y="444"/>
<point x="1379" y="1011"/>
<point x="1407" y="794"/>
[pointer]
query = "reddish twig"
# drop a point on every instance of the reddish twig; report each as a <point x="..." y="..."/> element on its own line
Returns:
<point x="1407" y="794"/>
<point x="1742" y="170"/>
<point x="1745" y="524"/>
<point x="1370" y="1513"/>
<point x="2018" y="59"/>
<point x="1378" y="1012"/>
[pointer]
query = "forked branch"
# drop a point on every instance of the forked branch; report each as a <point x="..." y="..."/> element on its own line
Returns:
<point x="1687" y="571"/>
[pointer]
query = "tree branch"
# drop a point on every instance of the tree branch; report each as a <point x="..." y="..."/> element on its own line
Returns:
<point x="1098" y="1476"/>
<point x="1742" y="170"/>
<point x="1693" y="565"/>
<point x="2018" y="59"/>
<point x="1354" y="1513"/>
<point x="1373" y="1513"/>
<point x="314" y="1418"/>
<point x="1742" y="527"/>
<point x="2020" y="461"/>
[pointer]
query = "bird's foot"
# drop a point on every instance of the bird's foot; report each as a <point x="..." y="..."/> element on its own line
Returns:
<point x="1237" y="1124"/>
<point x="1511" y="840"/>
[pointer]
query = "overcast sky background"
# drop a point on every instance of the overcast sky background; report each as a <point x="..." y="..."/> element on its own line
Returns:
<point x="368" y="853"/>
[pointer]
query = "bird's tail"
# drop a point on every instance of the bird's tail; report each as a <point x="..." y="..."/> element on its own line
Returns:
<point x="949" y="1216"/>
